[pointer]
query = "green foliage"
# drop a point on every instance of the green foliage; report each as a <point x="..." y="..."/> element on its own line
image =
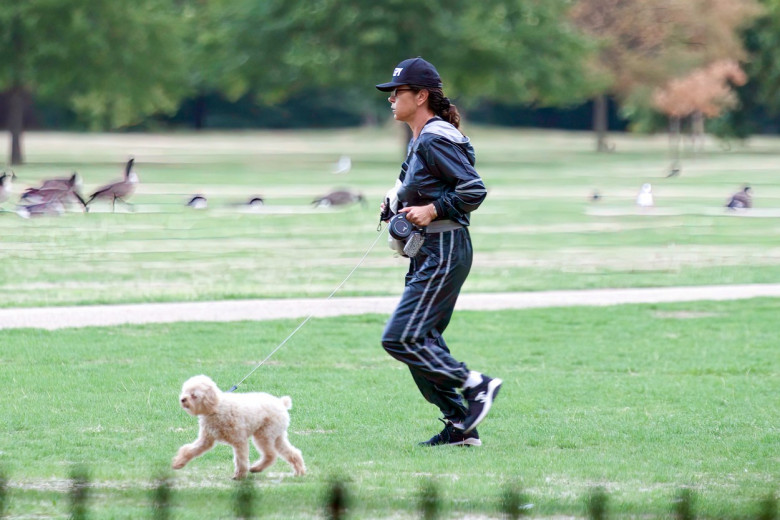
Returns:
<point x="520" y="50"/>
<point x="759" y="99"/>
<point x="112" y="62"/>
<point x="762" y="39"/>
<point x="117" y="63"/>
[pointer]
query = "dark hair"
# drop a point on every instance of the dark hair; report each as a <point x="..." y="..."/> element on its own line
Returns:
<point x="441" y="105"/>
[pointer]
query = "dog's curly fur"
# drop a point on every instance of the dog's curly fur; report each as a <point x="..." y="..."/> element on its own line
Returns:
<point x="233" y="418"/>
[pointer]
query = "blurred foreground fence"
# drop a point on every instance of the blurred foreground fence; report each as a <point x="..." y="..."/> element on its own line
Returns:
<point x="513" y="503"/>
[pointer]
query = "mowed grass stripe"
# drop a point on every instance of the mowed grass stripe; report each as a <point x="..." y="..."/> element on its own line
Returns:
<point x="537" y="230"/>
<point x="639" y="399"/>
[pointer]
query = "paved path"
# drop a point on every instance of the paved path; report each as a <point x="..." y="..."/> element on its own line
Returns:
<point x="237" y="310"/>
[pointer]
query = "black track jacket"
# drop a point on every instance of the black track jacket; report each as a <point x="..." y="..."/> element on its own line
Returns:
<point x="439" y="169"/>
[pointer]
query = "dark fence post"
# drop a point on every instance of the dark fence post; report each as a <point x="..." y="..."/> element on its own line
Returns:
<point x="597" y="504"/>
<point x="513" y="503"/>
<point x="3" y="492"/>
<point x="79" y="493"/>
<point x="245" y="500"/>
<point x="337" y="500"/>
<point x="161" y="498"/>
<point x="429" y="500"/>
<point x="768" y="510"/>
<point x="684" y="505"/>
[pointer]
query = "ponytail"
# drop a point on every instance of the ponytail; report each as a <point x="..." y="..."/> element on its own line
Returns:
<point x="442" y="107"/>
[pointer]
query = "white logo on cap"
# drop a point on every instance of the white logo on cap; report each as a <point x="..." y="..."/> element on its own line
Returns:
<point x="397" y="71"/>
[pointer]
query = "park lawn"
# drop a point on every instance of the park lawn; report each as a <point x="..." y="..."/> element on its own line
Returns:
<point x="640" y="400"/>
<point x="537" y="230"/>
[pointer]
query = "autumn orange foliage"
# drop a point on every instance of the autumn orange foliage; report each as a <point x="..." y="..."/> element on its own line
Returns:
<point x="708" y="90"/>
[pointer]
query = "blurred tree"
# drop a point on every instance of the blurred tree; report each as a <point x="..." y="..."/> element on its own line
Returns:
<point x="519" y="50"/>
<point x="645" y="43"/>
<point x="759" y="98"/>
<point x="112" y="62"/>
<point x="705" y="92"/>
<point x="227" y="40"/>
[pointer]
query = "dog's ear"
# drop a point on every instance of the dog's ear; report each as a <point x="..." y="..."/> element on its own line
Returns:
<point x="210" y="398"/>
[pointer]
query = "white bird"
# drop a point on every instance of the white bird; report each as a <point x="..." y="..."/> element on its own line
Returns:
<point x="343" y="165"/>
<point x="645" y="197"/>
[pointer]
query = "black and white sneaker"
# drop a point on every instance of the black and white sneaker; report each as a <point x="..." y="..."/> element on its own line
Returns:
<point x="480" y="399"/>
<point x="452" y="436"/>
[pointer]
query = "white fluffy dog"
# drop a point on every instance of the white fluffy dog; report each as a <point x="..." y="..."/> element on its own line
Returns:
<point x="233" y="418"/>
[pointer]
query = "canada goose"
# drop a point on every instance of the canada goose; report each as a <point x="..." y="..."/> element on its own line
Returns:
<point x="741" y="200"/>
<point x="338" y="198"/>
<point x="253" y="205"/>
<point x="53" y="207"/>
<point x="198" y="202"/>
<point x="55" y="189"/>
<point x="72" y="182"/>
<point x="119" y="190"/>
<point x="6" y="185"/>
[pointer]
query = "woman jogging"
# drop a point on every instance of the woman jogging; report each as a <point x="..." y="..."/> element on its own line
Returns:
<point x="437" y="190"/>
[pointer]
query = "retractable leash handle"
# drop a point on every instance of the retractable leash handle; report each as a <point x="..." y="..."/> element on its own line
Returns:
<point x="412" y="236"/>
<point x="310" y="316"/>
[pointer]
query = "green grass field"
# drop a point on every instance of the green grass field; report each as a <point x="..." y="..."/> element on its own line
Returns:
<point x="641" y="400"/>
<point x="638" y="399"/>
<point x="536" y="230"/>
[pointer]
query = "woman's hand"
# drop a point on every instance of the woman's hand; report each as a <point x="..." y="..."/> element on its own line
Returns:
<point x="420" y="216"/>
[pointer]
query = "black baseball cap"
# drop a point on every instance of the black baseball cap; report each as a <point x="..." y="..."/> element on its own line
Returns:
<point x="414" y="71"/>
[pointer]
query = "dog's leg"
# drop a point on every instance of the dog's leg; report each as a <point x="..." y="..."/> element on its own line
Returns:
<point x="241" y="459"/>
<point x="189" y="451"/>
<point x="291" y="454"/>
<point x="266" y="448"/>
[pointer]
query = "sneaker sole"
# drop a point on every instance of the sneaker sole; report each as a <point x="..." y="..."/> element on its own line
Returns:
<point x="493" y="387"/>
<point x="466" y="443"/>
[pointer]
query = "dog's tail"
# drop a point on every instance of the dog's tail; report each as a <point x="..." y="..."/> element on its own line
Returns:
<point x="286" y="401"/>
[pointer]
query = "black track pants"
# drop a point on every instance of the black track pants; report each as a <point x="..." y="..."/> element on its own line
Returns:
<point x="413" y="335"/>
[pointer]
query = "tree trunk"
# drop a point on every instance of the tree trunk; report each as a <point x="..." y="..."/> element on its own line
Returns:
<point x="16" y="101"/>
<point x="16" y="123"/>
<point x="674" y="145"/>
<point x="600" y="122"/>
<point x="697" y="131"/>
<point x="199" y="112"/>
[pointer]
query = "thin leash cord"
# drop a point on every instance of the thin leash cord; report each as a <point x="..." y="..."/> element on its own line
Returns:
<point x="310" y="316"/>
